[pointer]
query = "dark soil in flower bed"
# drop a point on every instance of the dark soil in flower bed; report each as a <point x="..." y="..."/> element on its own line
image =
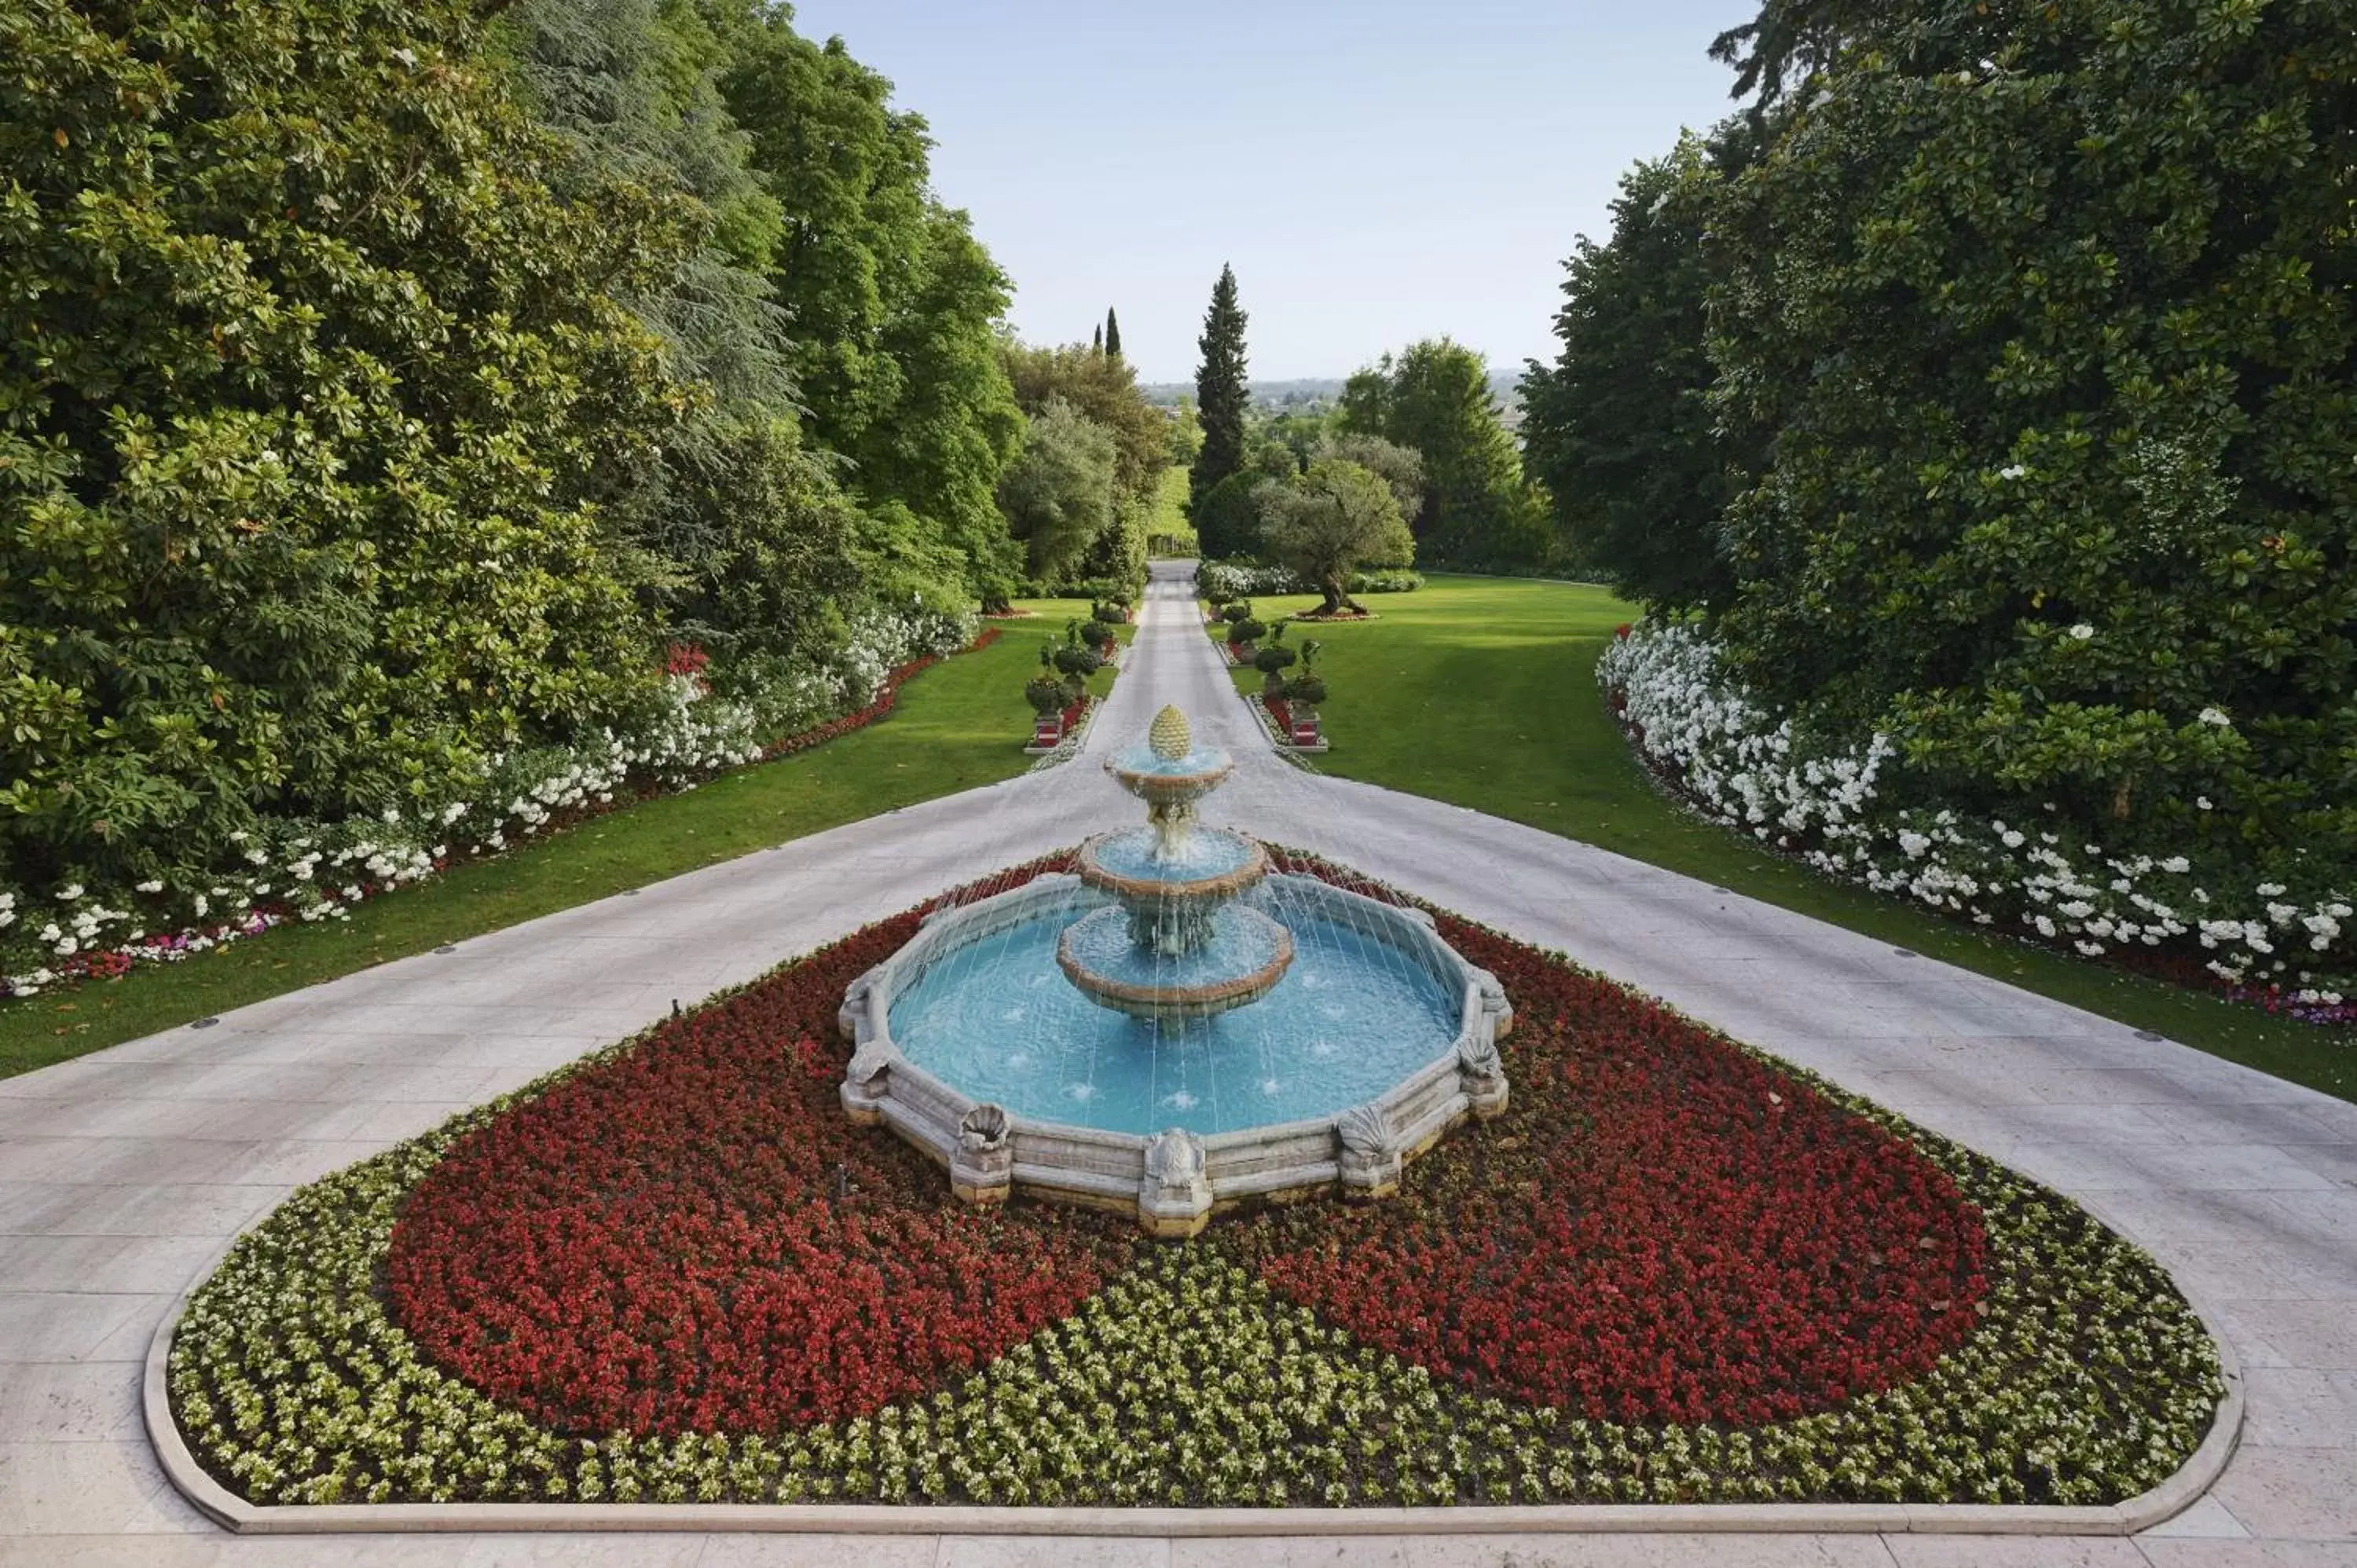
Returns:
<point x="1672" y="1271"/>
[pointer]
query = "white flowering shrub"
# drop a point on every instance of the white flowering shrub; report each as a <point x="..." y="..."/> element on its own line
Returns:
<point x="290" y="869"/>
<point x="1835" y="808"/>
<point x="1224" y="581"/>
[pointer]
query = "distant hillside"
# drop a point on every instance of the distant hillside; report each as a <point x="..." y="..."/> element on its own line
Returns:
<point x="1310" y="391"/>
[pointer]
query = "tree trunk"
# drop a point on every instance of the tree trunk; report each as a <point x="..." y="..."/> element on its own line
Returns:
<point x="1337" y="599"/>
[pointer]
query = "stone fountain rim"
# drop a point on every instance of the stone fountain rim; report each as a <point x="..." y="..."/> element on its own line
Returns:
<point x="1094" y="1165"/>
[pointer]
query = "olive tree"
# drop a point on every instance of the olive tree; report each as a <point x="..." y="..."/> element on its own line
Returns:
<point x="1329" y="521"/>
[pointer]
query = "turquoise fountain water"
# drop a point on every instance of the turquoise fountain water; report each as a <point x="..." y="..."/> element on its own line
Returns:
<point x="1201" y="993"/>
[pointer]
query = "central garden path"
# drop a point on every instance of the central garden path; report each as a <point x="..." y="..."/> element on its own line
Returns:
<point x="126" y="1173"/>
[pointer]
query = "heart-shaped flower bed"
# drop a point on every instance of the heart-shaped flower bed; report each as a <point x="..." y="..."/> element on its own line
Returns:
<point x="1672" y="1271"/>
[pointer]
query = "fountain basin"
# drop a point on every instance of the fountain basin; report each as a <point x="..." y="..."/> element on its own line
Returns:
<point x="1179" y="1120"/>
<point x="1242" y="957"/>
<point x="1211" y="863"/>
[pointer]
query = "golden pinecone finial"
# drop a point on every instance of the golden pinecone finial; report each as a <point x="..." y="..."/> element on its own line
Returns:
<point x="1170" y="736"/>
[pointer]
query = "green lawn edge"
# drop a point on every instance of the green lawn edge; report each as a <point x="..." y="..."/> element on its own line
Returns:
<point x="957" y="726"/>
<point x="1482" y="691"/>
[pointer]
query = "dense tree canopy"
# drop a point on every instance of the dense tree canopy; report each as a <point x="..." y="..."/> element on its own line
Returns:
<point x="2029" y="345"/>
<point x="294" y="448"/>
<point x="1619" y="428"/>
<point x="2123" y="490"/>
<point x="383" y="388"/>
<point x="1432" y="397"/>
<point x="895" y="305"/>
<point x="1103" y="388"/>
<point x="1060" y="492"/>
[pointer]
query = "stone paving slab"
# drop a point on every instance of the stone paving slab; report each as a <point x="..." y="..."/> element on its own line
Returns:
<point x="124" y="1174"/>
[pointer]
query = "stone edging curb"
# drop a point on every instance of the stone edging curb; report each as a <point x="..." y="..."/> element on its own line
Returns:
<point x="2141" y="1513"/>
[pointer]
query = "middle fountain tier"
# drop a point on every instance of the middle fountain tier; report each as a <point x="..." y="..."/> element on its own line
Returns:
<point x="1176" y="944"/>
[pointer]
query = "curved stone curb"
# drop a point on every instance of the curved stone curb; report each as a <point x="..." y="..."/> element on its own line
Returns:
<point x="216" y="1501"/>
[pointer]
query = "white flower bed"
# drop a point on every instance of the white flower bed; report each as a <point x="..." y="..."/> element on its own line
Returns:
<point x="1222" y="582"/>
<point x="315" y="870"/>
<point x="1743" y="764"/>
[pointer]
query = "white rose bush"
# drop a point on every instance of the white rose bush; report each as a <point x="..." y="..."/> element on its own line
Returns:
<point x="683" y="731"/>
<point x="1837" y="810"/>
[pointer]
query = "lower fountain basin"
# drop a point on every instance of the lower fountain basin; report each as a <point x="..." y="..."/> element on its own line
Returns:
<point x="972" y="1044"/>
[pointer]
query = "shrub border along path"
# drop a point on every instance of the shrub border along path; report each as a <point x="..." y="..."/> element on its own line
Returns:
<point x="125" y="1170"/>
<point x="1482" y="691"/>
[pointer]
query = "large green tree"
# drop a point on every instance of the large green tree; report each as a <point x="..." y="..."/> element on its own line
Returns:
<point x="1222" y="394"/>
<point x="895" y="305"/>
<point x="303" y="370"/>
<point x="1619" y="428"/>
<point x="1103" y="388"/>
<point x="2049" y="315"/>
<point x="1058" y="493"/>
<point x="1434" y="397"/>
<point x="1332" y="521"/>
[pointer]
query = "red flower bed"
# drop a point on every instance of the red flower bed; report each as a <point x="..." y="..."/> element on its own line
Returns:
<point x="691" y="1237"/>
<point x="1662" y="1227"/>
<point x="885" y="698"/>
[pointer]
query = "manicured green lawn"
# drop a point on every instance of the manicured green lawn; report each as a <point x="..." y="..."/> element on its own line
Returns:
<point x="959" y="725"/>
<point x="1483" y="692"/>
<point x="1168" y="520"/>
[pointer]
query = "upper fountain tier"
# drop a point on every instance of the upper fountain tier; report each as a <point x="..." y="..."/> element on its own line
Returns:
<point x="1189" y="951"/>
<point x="1172" y="859"/>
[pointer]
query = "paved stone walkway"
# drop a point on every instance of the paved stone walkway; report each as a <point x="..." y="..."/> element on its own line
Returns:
<point x="124" y="1173"/>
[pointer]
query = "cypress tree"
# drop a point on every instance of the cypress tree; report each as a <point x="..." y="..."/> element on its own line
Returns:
<point x="1220" y="392"/>
<point x="1112" y="333"/>
<point x="1096" y="345"/>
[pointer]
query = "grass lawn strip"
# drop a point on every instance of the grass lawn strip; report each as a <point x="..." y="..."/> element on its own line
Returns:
<point x="956" y="726"/>
<point x="1482" y="691"/>
<point x="2079" y="1377"/>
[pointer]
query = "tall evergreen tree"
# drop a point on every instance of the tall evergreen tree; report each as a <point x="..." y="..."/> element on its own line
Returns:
<point x="1112" y="334"/>
<point x="1221" y="394"/>
<point x="1096" y="343"/>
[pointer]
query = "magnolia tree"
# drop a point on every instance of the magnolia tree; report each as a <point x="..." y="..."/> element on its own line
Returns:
<point x="2047" y="317"/>
<point x="1327" y="522"/>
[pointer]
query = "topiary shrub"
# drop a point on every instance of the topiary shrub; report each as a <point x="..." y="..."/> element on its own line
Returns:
<point x="1045" y="693"/>
<point x="1243" y="633"/>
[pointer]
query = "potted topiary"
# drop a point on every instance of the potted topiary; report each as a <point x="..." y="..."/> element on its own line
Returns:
<point x="1045" y="693"/>
<point x="1273" y="661"/>
<point x="1097" y="633"/>
<point x="1242" y="635"/>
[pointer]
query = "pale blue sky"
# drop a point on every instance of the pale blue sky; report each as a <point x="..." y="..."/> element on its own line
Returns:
<point x="1376" y="172"/>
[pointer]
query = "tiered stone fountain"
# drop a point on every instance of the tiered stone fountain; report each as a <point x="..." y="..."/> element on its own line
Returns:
<point x="1175" y="1027"/>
